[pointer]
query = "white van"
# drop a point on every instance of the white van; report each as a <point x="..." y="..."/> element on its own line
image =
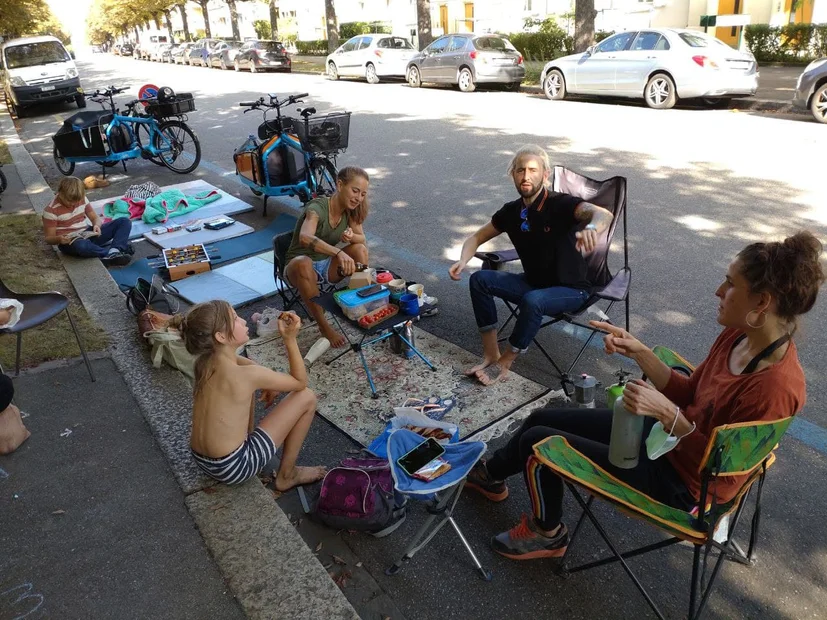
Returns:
<point x="38" y="70"/>
<point x="149" y="42"/>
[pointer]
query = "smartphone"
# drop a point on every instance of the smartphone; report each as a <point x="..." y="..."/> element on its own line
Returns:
<point x="420" y="456"/>
<point x="371" y="290"/>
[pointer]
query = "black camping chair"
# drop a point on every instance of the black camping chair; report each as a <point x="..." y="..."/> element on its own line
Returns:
<point x="609" y="194"/>
<point x="288" y="293"/>
<point x="37" y="309"/>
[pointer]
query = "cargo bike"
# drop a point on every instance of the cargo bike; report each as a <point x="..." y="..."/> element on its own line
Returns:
<point x="158" y="133"/>
<point x="292" y="156"/>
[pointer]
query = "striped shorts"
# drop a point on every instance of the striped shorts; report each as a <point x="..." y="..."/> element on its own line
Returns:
<point x="242" y="463"/>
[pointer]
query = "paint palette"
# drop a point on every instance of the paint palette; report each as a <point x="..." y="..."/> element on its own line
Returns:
<point x="186" y="261"/>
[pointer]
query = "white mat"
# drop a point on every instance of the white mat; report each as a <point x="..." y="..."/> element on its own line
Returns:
<point x="226" y="205"/>
<point x="183" y="237"/>
<point x="238" y="283"/>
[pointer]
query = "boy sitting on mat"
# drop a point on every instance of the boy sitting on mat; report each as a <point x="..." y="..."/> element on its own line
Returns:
<point x="225" y="443"/>
<point x="65" y="225"/>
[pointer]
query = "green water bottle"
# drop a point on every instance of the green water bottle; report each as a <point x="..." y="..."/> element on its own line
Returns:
<point x="613" y="392"/>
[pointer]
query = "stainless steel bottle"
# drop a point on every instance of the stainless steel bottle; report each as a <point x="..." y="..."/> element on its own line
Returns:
<point x="627" y="430"/>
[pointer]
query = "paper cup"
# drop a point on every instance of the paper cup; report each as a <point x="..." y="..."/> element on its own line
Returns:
<point x="397" y="286"/>
<point x="316" y="351"/>
<point x="418" y="290"/>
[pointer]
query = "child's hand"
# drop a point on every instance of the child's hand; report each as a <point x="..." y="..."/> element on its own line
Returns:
<point x="64" y="240"/>
<point x="5" y="316"/>
<point x="268" y="397"/>
<point x="289" y="324"/>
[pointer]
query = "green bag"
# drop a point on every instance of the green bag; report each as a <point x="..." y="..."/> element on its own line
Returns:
<point x="168" y="346"/>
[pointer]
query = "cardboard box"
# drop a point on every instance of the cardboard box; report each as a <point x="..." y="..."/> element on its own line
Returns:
<point x="360" y="279"/>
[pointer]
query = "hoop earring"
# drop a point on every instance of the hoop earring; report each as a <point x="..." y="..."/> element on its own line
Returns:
<point x="762" y="313"/>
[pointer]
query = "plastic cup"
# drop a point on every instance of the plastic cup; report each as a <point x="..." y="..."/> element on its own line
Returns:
<point x="409" y="304"/>
<point x="316" y="351"/>
<point x="419" y="291"/>
<point x="397" y="285"/>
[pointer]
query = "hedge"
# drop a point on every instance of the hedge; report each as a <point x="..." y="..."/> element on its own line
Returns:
<point x="312" y="48"/>
<point x="547" y="45"/>
<point x="791" y="43"/>
<point x="351" y="29"/>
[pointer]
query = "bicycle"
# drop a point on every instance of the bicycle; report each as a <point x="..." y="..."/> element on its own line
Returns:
<point x="108" y="137"/>
<point x="297" y="157"/>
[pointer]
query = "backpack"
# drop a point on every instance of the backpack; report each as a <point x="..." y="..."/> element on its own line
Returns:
<point x="155" y="295"/>
<point x="168" y="346"/>
<point x="358" y="495"/>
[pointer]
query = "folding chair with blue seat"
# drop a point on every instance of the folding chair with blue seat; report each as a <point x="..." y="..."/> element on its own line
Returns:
<point x="733" y="449"/>
<point x="609" y="194"/>
<point x="289" y="294"/>
<point x="441" y="495"/>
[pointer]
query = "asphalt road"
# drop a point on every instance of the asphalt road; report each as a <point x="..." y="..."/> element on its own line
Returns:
<point x="702" y="184"/>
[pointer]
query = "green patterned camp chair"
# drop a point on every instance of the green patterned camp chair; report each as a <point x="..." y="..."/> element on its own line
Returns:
<point x="733" y="449"/>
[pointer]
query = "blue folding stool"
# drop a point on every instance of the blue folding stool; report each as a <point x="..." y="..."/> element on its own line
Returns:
<point x="441" y="494"/>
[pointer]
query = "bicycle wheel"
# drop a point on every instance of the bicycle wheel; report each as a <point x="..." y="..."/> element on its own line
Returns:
<point x="179" y="146"/>
<point x="324" y="176"/>
<point x="66" y="167"/>
<point x="142" y="136"/>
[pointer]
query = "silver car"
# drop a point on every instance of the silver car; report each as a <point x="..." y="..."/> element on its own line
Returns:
<point x="660" y="65"/>
<point x="372" y="56"/>
<point x="811" y="89"/>
<point x="468" y="60"/>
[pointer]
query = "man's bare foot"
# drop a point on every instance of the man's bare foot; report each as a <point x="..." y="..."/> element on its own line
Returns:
<point x="472" y="372"/>
<point x="491" y="374"/>
<point x="298" y="477"/>
<point x="337" y="340"/>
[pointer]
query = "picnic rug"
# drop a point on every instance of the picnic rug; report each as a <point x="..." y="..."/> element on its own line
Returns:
<point x="345" y="399"/>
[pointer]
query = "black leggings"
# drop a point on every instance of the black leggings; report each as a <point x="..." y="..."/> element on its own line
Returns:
<point x="6" y="391"/>
<point x="588" y="431"/>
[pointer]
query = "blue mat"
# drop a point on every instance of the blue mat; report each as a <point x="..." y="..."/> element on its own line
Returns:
<point x="226" y="251"/>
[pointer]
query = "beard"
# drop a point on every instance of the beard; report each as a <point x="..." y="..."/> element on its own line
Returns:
<point x="528" y="192"/>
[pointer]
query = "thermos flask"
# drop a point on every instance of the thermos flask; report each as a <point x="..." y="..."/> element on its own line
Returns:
<point x="627" y="428"/>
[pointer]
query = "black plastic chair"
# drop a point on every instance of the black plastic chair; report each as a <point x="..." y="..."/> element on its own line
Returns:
<point x="609" y="194"/>
<point x="37" y="309"/>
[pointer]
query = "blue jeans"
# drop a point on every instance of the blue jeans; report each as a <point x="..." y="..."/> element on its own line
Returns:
<point x="115" y="232"/>
<point x="533" y="303"/>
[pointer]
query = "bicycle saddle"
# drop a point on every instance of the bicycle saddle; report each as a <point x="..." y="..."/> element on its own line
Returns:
<point x="308" y="111"/>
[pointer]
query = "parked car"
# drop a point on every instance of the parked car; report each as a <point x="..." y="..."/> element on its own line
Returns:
<point x="372" y="56"/>
<point x="180" y="55"/>
<point x="159" y="50"/>
<point x="96" y="49"/>
<point x="166" y="53"/>
<point x="468" y="60"/>
<point x="197" y="54"/>
<point x="660" y="65"/>
<point x="263" y="55"/>
<point x="126" y="49"/>
<point x="224" y="54"/>
<point x="811" y="89"/>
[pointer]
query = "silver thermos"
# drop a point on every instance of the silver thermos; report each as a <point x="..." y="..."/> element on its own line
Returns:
<point x="627" y="434"/>
<point x="397" y="344"/>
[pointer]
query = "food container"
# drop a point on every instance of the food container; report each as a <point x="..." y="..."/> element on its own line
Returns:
<point x="356" y="307"/>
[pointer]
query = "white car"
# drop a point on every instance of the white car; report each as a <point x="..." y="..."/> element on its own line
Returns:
<point x="372" y="56"/>
<point x="659" y="65"/>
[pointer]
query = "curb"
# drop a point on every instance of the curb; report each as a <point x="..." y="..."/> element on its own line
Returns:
<point x="259" y="552"/>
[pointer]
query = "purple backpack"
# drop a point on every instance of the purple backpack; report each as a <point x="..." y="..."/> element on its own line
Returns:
<point x="359" y="495"/>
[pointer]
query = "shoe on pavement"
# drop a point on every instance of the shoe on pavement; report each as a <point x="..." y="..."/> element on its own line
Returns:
<point x="480" y="480"/>
<point x="524" y="542"/>
<point x="116" y="258"/>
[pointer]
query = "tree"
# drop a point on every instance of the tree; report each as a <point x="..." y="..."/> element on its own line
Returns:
<point x="423" y="23"/>
<point x="231" y="4"/>
<point x="206" y="13"/>
<point x="274" y="18"/>
<point x="182" y="8"/>
<point x="584" y="15"/>
<point x="29" y="17"/>
<point x="168" y="15"/>
<point x="332" y="25"/>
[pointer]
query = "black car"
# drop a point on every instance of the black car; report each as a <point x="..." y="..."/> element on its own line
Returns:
<point x="126" y="49"/>
<point x="263" y="56"/>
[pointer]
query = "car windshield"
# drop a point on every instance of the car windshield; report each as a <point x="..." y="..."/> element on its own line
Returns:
<point x="494" y="43"/>
<point x="34" y="54"/>
<point x="271" y="46"/>
<point x="395" y="43"/>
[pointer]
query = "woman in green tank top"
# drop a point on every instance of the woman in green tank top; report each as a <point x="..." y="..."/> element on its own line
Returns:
<point x="328" y="241"/>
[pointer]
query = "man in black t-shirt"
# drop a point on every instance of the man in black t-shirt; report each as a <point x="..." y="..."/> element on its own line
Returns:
<point x="551" y="233"/>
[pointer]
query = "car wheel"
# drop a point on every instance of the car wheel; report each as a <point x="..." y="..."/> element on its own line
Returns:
<point x="370" y="74"/>
<point x="236" y="65"/>
<point x="466" y="81"/>
<point x="512" y="87"/>
<point x="332" y="72"/>
<point x="413" y="77"/>
<point x="660" y="92"/>
<point x="80" y="100"/>
<point x="818" y="105"/>
<point x="715" y="102"/>
<point x="554" y="86"/>
<point x="223" y="65"/>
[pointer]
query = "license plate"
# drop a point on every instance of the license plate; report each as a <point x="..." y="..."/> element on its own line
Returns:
<point x="505" y="61"/>
<point x="46" y="88"/>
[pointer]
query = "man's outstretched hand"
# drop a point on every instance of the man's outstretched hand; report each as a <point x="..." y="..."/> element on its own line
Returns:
<point x="456" y="270"/>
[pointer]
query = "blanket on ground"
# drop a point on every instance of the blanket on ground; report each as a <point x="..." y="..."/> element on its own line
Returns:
<point x="158" y="209"/>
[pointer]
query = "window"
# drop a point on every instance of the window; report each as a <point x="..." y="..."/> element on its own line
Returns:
<point x="649" y="41"/>
<point x="364" y="43"/>
<point x="527" y="5"/>
<point x="394" y="43"/>
<point x="694" y="40"/>
<point x="494" y="43"/>
<point x="35" y="54"/>
<point x="351" y="44"/>
<point x="615" y="43"/>
<point x="456" y="44"/>
<point x="438" y="46"/>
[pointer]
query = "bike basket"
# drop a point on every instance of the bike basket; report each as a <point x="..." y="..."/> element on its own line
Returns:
<point x="323" y="134"/>
<point x="181" y="104"/>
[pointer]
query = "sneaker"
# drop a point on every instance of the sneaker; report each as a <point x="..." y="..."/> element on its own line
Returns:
<point x="479" y="480"/>
<point x="130" y="249"/>
<point x="523" y="542"/>
<point x="118" y="259"/>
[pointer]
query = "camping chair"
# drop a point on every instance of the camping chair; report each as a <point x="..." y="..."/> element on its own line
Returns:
<point x="37" y="309"/>
<point x="733" y="449"/>
<point x="288" y="293"/>
<point x="609" y="194"/>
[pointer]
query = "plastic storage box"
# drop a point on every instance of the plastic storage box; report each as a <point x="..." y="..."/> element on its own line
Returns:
<point x="356" y="307"/>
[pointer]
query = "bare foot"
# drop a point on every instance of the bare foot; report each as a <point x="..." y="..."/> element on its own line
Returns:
<point x="298" y="477"/>
<point x="491" y="374"/>
<point x="472" y="372"/>
<point x="337" y="340"/>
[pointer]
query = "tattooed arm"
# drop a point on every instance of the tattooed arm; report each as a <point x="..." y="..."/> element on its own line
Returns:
<point x="308" y="238"/>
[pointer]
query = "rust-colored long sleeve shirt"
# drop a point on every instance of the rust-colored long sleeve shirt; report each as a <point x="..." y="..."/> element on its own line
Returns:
<point x="713" y="396"/>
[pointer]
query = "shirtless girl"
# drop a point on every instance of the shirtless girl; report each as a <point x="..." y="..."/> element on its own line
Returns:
<point x="225" y="442"/>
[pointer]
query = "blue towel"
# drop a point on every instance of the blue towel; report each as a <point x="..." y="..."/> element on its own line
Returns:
<point x="462" y="456"/>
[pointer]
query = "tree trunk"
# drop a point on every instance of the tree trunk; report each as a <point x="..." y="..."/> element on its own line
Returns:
<point x="168" y="15"/>
<point x="182" y="8"/>
<point x="137" y="35"/>
<point x="156" y="19"/>
<point x="206" y="13"/>
<point x="274" y="19"/>
<point x="233" y="18"/>
<point x="332" y="25"/>
<point x="423" y="23"/>
<point x="584" y="15"/>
